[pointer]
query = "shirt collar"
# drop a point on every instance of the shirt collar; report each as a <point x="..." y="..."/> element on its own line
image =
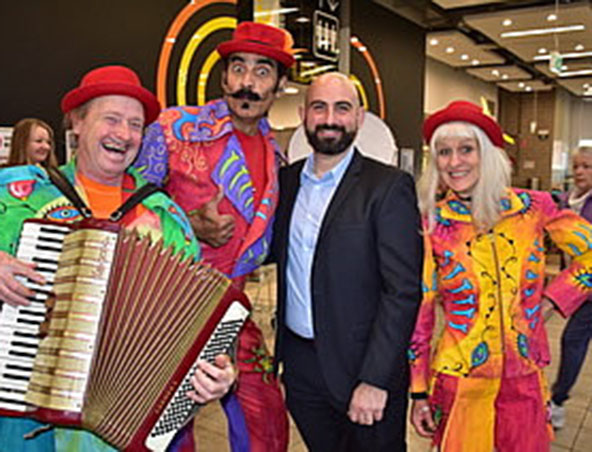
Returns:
<point x="333" y="176"/>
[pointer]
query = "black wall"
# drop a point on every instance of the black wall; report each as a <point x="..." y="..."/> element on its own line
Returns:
<point x="47" y="45"/>
<point x="398" y="49"/>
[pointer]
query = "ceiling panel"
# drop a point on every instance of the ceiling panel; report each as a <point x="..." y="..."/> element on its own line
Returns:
<point x="499" y="73"/>
<point x="579" y="86"/>
<point x="572" y="68"/>
<point x="577" y="14"/>
<point x="448" y="4"/>
<point x="456" y="49"/>
<point x="528" y="86"/>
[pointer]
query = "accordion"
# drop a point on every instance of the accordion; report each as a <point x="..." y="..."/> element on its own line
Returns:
<point x="128" y="320"/>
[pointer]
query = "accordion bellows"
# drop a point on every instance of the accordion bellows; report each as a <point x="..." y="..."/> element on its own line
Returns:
<point x="129" y="321"/>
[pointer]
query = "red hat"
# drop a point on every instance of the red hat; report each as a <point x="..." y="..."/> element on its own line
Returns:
<point x="464" y="111"/>
<point x="112" y="80"/>
<point x="262" y="39"/>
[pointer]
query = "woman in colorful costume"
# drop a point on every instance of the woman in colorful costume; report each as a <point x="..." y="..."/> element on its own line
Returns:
<point x="578" y="331"/>
<point x="482" y="388"/>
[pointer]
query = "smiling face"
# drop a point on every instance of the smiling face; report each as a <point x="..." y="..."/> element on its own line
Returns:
<point x="332" y="114"/>
<point x="458" y="161"/>
<point x="39" y="145"/>
<point x="109" y="136"/>
<point x="250" y="84"/>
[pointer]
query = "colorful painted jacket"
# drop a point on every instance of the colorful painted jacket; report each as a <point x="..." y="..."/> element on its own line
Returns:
<point x="490" y="287"/>
<point x="26" y="192"/>
<point x="198" y="151"/>
<point x="193" y="151"/>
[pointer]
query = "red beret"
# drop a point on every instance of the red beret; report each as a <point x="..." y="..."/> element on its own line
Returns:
<point x="112" y="80"/>
<point x="464" y="111"/>
<point x="262" y="39"/>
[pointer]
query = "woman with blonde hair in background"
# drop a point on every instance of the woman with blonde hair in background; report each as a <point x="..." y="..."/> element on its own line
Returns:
<point x="483" y="388"/>
<point x="578" y="331"/>
<point x="32" y="143"/>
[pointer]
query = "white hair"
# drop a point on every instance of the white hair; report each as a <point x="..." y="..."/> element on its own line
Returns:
<point x="493" y="182"/>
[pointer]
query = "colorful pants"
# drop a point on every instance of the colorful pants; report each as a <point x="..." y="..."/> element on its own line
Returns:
<point x="478" y="414"/>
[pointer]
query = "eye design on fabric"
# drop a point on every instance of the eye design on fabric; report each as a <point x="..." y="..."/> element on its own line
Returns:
<point x="63" y="214"/>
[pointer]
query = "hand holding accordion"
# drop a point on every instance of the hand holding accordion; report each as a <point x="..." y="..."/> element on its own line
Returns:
<point x="130" y="321"/>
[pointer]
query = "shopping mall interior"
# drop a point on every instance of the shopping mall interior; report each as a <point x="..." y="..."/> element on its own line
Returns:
<point x="527" y="63"/>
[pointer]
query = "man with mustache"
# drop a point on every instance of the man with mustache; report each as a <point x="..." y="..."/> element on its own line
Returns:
<point x="219" y="162"/>
<point x="346" y="238"/>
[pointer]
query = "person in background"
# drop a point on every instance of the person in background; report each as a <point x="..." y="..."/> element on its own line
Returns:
<point x="32" y="143"/>
<point x="349" y="252"/>
<point x="578" y="331"/>
<point x="107" y="111"/>
<point x="220" y="162"/>
<point x="482" y="388"/>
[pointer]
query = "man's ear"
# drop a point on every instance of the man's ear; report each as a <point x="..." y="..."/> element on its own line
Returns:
<point x="361" y="115"/>
<point x="281" y="86"/>
<point x="76" y="122"/>
<point x="223" y="83"/>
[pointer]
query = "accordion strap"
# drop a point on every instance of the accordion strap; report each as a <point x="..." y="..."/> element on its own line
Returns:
<point x="64" y="185"/>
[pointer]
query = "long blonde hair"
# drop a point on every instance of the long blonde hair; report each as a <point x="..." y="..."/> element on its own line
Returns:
<point x="494" y="178"/>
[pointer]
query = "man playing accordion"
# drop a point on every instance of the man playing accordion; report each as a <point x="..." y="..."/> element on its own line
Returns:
<point x="107" y="112"/>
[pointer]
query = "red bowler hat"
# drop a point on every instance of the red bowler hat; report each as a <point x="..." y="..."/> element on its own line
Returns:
<point x="464" y="111"/>
<point x="112" y="80"/>
<point x="262" y="39"/>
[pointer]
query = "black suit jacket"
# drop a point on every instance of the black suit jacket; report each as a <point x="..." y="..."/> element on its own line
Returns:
<point x="366" y="275"/>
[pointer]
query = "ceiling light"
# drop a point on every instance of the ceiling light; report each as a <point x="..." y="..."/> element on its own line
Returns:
<point x="353" y="39"/>
<point x="565" y="55"/>
<point x="573" y="73"/>
<point x="464" y="57"/>
<point x="542" y="31"/>
<point x="495" y="72"/>
<point x="528" y="88"/>
<point x="542" y="50"/>
<point x="434" y="42"/>
<point x="504" y="76"/>
<point x="302" y="20"/>
<point x="362" y="48"/>
<point x="551" y="17"/>
<point x="507" y="22"/>
<point x="291" y="90"/>
<point x="449" y="49"/>
<point x="521" y="85"/>
<point x="579" y="47"/>
<point x="475" y="62"/>
<point x="277" y="11"/>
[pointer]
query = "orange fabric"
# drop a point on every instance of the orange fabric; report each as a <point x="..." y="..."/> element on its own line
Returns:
<point x="103" y="199"/>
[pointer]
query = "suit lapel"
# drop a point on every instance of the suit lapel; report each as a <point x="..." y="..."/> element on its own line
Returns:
<point x="288" y="192"/>
<point x="350" y="179"/>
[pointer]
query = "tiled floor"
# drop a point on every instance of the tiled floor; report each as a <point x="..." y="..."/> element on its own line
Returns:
<point x="576" y="436"/>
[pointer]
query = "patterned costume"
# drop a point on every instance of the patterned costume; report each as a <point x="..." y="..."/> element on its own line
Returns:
<point x="494" y="343"/>
<point x="26" y="192"/>
<point x="197" y="148"/>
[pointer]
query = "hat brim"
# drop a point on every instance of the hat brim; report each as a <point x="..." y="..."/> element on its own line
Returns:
<point x="81" y="95"/>
<point x="233" y="46"/>
<point x="460" y="114"/>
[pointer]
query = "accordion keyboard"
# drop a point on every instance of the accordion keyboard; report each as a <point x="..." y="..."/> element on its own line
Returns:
<point x="181" y="409"/>
<point x="41" y="244"/>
